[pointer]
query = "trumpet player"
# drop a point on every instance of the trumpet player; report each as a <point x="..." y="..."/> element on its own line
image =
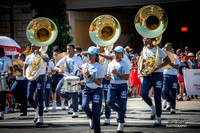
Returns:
<point x="38" y="84"/>
<point x="155" y="79"/>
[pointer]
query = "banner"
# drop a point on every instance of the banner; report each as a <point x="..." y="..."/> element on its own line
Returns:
<point x="192" y="81"/>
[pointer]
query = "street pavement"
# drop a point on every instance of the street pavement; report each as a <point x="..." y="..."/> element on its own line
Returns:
<point x="186" y="119"/>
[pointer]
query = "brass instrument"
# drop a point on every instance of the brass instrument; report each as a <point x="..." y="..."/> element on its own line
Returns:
<point x="172" y="58"/>
<point x="40" y="32"/>
<point x="105" y="30"/>
<point x="150" y="22"/>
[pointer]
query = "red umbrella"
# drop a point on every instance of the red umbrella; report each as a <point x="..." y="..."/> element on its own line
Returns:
<point x="10" y="46"/>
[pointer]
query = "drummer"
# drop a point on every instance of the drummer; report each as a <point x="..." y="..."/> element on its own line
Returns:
<point x="19" y="88"/>
<point x="5" y="63"/>
<point x="72" y="64"/>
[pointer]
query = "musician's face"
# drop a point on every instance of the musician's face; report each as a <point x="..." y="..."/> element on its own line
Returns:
<point x="21" y="57"/>
<point x="34" y="47"/>
<point x="101" y="48"/>
<point x="55" y="54"/>
<point x="91" y="57"/>
<point x="146" y="41"/>
<point x="118" y="56"/>
<point x="70" y="50"/>
<point x="167" y="47"/>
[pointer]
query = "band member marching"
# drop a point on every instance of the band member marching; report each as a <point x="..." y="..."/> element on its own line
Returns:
<point x="155" y="79"/>
<point x="106" y="83"/>
<point x="170" y="81"/>
<point x="5" y="64"/>
<point x="50" y="71"/>
<point x="118" y="72"/>
<point x="19" y="88"/>
<point x="38" y="84"/>
<point x="93" y="73"/>
<point x="72" y="64"/>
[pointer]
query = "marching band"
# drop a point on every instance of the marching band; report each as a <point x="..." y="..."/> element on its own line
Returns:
<point x="99" y="74"/>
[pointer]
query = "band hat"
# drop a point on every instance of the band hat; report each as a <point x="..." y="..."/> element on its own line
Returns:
<point x="119" y="49"/>
<point x="191" y="55"/>
<point x="93" y="50"/>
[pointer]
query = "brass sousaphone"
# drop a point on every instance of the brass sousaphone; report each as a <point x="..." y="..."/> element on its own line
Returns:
<point x="150" y="22"/>
<point x="40" y="32"/>
<point x="105" y="31"/>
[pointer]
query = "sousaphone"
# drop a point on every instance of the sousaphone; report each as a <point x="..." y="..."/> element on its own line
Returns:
<point x="104" y="31"/>
<point x="150" y="22"/>
<point x="40" y="32"/>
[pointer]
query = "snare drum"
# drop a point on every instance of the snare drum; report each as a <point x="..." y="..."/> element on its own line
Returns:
<point x="3" y="84"/>
<point x="70" y="84"/>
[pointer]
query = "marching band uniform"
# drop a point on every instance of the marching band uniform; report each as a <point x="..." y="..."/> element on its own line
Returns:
<point x="92" y="91"/>
<point x="155" y="80"/>
<point x="19" y="91"/>
<point x="118" y="88"/>
<point x="48" y="87"/>
<point x="106" y="84"/>
<point x="37" y="85"/>
<point x="5" y="63"/>
<point x="170" y="84"/>
<point x="71" y="66"/>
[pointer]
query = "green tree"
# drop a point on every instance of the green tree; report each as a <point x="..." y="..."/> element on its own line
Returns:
<point x="56" y="11"/>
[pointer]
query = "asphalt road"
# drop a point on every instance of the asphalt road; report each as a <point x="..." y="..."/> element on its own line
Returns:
<point x="186" y="119"/>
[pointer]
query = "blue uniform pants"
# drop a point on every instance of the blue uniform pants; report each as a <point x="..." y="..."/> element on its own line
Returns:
<point x="37" y="85"/>
<point x="94" y="95"/>
<point x="155" y="80"/>
<point x="170" y="84"/>
<point x="19" y="91"/>
<point x="48" y="88"/>
<point x="119" y="92"/>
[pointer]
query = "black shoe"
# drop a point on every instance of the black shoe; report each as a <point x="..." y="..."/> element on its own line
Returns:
<point x="120" y="131"/>
<point x="157" y="125"/>
<point x="23" y="114"/>
<point x="168" y="108"/>
<point x="152" y="117"/>
<point x="106" y="124"/>
<point x="35" y="120"/>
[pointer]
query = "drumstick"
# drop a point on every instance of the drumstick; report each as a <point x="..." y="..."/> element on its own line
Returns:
<point x="86" y="67"/>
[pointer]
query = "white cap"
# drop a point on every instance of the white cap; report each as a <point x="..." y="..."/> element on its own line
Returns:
<point x="93" y="50"/>
<point x="119" y="49"/>
<point x="191" y="55"/>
